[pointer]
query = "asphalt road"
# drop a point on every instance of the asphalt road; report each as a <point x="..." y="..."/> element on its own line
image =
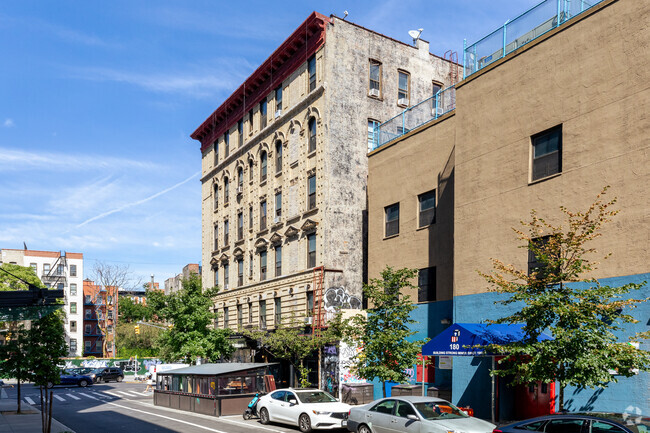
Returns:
<point x="124" y="408"/>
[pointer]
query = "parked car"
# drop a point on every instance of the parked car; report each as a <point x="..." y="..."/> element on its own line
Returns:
<point x="80" y="370"/>
<point x="581" y="423"/>
<point x="306" y="408"/>
<point x="69" y="377"/>
<point x="107" y="374"/>
<point x="413" y="414"/>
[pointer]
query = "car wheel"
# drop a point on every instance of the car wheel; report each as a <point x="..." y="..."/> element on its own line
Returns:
<point x="119" y="378"/>
<point x="83" y="383"/>
<point x="304" y="423"/>
<point x="264" y="416"/>
<point x="364" y="429"/>
<point x="49" y="385"/>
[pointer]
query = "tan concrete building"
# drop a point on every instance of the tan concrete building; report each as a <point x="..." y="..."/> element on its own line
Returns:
<point x="285" y="166"/>
<point x="549" y="123"/>
<point x="175" y="283"/>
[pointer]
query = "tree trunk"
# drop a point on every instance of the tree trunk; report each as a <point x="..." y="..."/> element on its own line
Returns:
<point x="18" y="386"/>
<point x="42" y="410"/>
<point x="561" y="397"/>
<point x="383" y="387"/>
<point x="49" y="415"/>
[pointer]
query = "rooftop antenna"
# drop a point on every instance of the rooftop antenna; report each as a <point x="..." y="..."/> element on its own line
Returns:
<point x="415" y="34"/>
<point x="345" y="15"/>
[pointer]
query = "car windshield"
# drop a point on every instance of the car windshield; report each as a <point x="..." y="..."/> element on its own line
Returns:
<point x="97" y="370"/>
<point x="315" y="397"/>
<point x="436" y="410"/>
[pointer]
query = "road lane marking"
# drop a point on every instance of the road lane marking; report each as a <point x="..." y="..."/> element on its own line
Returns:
<point x="133" y="393"/>
<point x="89" y="396"/>
<point x="257" y="427"/>
<point x="29" y="400"/>
<point x="127" y="394"/>
<point x="168" y="417"/>
<point x="100" y="395"/>
<point x="58" y="398"/>
<point x="72" y="396"/>
<point x="111" y="393"/>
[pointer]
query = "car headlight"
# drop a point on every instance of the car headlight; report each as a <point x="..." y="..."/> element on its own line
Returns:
<point x="321" y="412"/>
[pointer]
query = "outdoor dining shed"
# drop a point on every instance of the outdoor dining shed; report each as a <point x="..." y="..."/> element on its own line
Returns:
<point x="212" y="389"/>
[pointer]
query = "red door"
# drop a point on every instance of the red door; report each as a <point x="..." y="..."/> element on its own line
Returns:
<point x="534" y="399"/>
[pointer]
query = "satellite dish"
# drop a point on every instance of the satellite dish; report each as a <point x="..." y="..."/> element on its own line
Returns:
<point x="414" y="34"/>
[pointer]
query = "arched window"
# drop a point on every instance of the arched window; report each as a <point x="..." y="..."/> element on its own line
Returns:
<point x="226" y="190"/>
<point x="263" y="159"/>
<point x="250" y="169"/>
<point x="312" y="135"/>
<point x="215" y="194"/>
<point x="240" y="179"/>
<point x="278" y="156"/>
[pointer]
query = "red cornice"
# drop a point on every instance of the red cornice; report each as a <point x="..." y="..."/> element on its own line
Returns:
<point x="293" y="52"/>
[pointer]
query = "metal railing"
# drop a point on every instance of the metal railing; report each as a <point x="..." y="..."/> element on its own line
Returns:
<point x="519" y="31"/>
<point x="413" y="117"/>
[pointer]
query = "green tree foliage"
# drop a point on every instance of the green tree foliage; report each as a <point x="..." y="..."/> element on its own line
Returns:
<point x="192" y="334"/>
<point x="11" y="279"/>
<point x="12" y="357"/>
<point x="132" y="311"/>
<point x="383" y="334"/>
<point x="581" y="318"/>
<point x="131" y="344"/>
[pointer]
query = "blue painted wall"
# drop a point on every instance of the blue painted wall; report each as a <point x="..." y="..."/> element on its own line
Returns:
<point x="472" y="382"/>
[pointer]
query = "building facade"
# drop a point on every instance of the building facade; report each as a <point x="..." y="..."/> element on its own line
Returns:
<point x="100" y="320"/>
<point x="550" y="123"/>
<point x="285" y="167"/>
<point x="58" y="270"/>
<point x="174" y="284"/>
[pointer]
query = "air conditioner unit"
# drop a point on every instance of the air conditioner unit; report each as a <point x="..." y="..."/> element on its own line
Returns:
<point x="437" y="110"/>
<point x="225" y="286"/>
<point x="309" y="320"/>
<point x="276" y="220"/>
<point x="240" y="189"/>
<point x="374" y="92"/>
<point x="278" y="113"/>
<point x="403" y="101"/>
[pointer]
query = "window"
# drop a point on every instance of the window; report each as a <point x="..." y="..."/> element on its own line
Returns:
<point x="427" y="208"/>
<point x="263" y="314"/>
<point x="278" y="311"/>
<point x="311" y="69"/>
<point x="240" y="132"/>
<point x="226" y="190"/>
<point x="278" y="206"/>
<point x="73" y="326"/>
<point x="250" y="170"/>
<point x="226" y="277"/>
<point x="404" y="409"/>
<point x="216" y="275"/>
<point x="73" y="270"/>
<point x="263" y="107"/>
<point x="226" y="317"/>
<point x="278" y="260"/>
<point x="240" y="180"/>
<point x="427" y="284"/>
<point x="73" y="308"/>
<point x="278" y="101"/>
<point x="262" y="265"/>
<point x="226" y="143"/>
<point x="60" y="269"/>
<point x="385" y="406"/>
<point x="215" y="193"/>
<point x="392" y="219"/>
<point x="436" y="88"/>
<point x="310" y="303"/>
<point x="240" y="272"/>
<point x="263" y="159"/>
<point x="312" y="135"/>
<point x="240" y="226"/>
<point x="311" y="192"/>
<point x="564" y="425"/>
<point x="46" y="268"/>
<point x="35" y="268"/>
<point x="374" y="86"/>
<point x="88" y="299"/>
<point x="87" y="346"/>
<point x="311" y="250"/>
<point x="88" y="313"/>
<point x="250" y="217"/>
<point x="533" y="426"/>
<point x="250" y="313"/>
<point x="216" y="152"/>
<point x="263" y="215"/>
<point x="240" y="316"/>
<point x="73" y="289"/>
<point x="250" y="265"/>
<point x="278" y="156"/>
<point x="216" y="237"/>
<point x="403" y="88"/>
<point x="73" y="345"/>
<point x="604" y="427"/>
<point x="225" y="232"/>
<point x="547" y="153"/>
<point x="373" y="134"/>
<point x="87" y="329"/>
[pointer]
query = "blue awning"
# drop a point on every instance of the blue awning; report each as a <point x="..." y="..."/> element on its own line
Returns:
<point x="459" y="339"/>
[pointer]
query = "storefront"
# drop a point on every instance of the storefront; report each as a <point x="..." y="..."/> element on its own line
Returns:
<point x="213" y="389"/>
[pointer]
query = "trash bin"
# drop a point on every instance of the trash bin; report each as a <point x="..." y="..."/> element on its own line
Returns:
<point x="443" y="393"/>
<point x="406" y="389"/>
<point x="357" y="393"/>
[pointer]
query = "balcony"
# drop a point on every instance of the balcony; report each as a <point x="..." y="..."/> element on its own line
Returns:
<point x="521" y="30"/>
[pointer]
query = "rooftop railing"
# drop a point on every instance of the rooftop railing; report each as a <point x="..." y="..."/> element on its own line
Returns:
<point x="413" y="117"/>
<point x="521" y="30"/>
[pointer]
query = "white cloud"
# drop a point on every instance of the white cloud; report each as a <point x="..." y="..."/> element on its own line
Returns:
<point x="8" y="123"/>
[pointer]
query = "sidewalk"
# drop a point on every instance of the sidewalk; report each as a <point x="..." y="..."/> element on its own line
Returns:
<point x="28" y="421"/>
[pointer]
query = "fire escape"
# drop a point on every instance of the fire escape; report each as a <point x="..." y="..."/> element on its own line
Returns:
<point x="56" y="277"/>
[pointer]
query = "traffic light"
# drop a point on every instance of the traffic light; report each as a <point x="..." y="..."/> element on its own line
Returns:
<point x="137" y="329"/>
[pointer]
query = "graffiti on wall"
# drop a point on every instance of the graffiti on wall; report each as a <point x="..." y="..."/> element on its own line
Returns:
<point x="330" y="370"/>
<point x="347" y="355"/>
<point x="129" y="366"/>
<point x="337" y="298"/>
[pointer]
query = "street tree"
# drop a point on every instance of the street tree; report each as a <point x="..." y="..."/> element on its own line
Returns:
<point x="12" y="357"/>
<point x="383" y="335"/>
<point x="132" y="311"/>
<point x="557" y="296"/>
<point x="16" y="277"/>
<point x="191" y="333"/>
<point x="45" y="346"/>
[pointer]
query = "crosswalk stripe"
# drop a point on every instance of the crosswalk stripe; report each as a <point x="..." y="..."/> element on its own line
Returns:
<point x="72" y="396"/>
<point x="29" y="400"/>
<point x="112" y="393"/>
<point x="101" y="395"/>
<point x="58" y="397"/>
<point x="89" y="396"/>
<point x="125" y="393"/>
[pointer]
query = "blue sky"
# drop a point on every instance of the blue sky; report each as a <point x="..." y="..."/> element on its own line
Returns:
<point x="98" y="99"/>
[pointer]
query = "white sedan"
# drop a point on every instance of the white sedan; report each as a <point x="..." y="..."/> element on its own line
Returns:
<point x="307" y="408"/>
